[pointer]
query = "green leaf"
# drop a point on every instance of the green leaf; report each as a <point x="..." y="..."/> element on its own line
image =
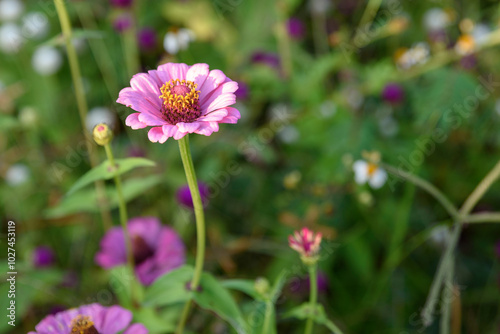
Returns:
<point x="170" y="288"/>
<point x="8" y="122"/>
<point x="243" y="285"/>
<point x="155" y="322"/>
<point x="105" y="172"/>
<point x="304" y="311"/>
<point x="213" y="296"/>
<point x="122" y="282"/>
<point x="87" y="201"/>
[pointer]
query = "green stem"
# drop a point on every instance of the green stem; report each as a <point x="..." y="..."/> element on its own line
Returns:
<point x="312" y="298"/>
<point x="283" y="39"/>
<point x="131" y="50"/>
<point x="484" y="217"/>
<point x="368" y="16"/>
<point x="187" y="162"/>
<point x="428" y="187"/>
<point x="266" y="329"/>
<point x="447" y="299"/>
<point x="447" y="256"/>
<point x="123" y="215"/>
<point x="81" y="103"/>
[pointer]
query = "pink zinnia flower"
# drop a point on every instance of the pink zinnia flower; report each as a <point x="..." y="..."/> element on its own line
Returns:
<point x="93" y="318"/>
<point x="157" y="249"/>
<point x="305" y="242"/>
<point x="177" y="99"/>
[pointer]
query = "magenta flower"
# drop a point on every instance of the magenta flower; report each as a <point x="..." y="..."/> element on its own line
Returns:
<point x="184" y="195"/>
<point x="121" y="3"/>
<point x="43" y="256"/>
<point x="157" y="249"/>
<point x="147" y="38"/>
<point x="177" y="99"/>
<point x="122" y="23"/>
<point x="305" y="242"/>
<point x="295" y="28"/>
<point x="393" y="93"/>
<point x="90" y="319"/>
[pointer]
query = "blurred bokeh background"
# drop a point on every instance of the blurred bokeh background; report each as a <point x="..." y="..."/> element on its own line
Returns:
<point x="320" y="82"/>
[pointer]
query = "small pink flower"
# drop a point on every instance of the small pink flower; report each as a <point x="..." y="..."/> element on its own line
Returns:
<point x="177" y="99"/>
<point x="305" y="242"/>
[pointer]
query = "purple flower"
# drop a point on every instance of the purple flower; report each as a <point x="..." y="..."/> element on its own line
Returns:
<point x="93" y="318"/>
<point x="121" y="3"/>
<point x="122" y="23"/>
<point x="393" y="93"/>
<point x="147" y="38"/>
<point x="43" y="256"/>
<point x="157" y="249"/>
<point x="498" y="249"/>
<point x="266" y="58"/>
<point x="322" y="281"/>
<point x="300" y="286"/>
<point x="242" y="92"/>
<point x="184" y="195"/>
<point x="468" y="62"/>
<point x="295" y="28"/>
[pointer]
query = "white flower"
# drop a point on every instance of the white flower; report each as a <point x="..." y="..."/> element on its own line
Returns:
<point x="497" y="106"/>
<point x="417" y="55"/>
<point x="10" y="10"/>
<point x="46" y="60"/>
<point x="369" y="172"/>
<point x="17" y="174"/>
<point x="354" y="97"/>
<point x="436" y="19"/>
<point x="319" y="6"/>
<point x="100" y="115"/>
<point x="289" y="134"/>
<point x="28" y="116"/>
<point x="11" y="39"/>
<point x="327" y="109"/>
<point x="480" y="33"/>
<point x="35" y="25"/>
<point x="175" y="41"/>
<point x="440" y="235"/>
<point x="388" y="126"/>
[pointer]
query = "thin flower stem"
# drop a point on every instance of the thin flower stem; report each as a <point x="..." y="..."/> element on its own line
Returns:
<point x="368" y="16"/>
<point x="82" y="104"/>
<point x="313" y="297"/>
<point x="266" y="329"/>
<point x="123" y="215"/>
<point x="131" y="50"/>
<point x="187" y="162"/>
<point x="428" y="187"/>
<point x="447" y="256"/>
<point x="284" y="40"/>
<point x="483" y="217"/>
<point x="447" y="299"/>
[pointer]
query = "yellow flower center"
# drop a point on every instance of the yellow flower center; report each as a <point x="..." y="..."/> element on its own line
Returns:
<point x="180" y="101"/>
<point x="83" y="325"/>
<point x="372" y="168"/>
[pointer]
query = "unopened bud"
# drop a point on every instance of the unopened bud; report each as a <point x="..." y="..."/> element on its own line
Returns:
<point x="262" y="286"/>
<point x="102" y="134"/>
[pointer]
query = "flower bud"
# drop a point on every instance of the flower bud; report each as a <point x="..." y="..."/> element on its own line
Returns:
<point x="307" y="244"/>
<point x="102" y="134"/>
<point x="262" y="286"/>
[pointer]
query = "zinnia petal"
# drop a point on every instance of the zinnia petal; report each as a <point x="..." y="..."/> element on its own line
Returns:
<point x="132" y="120"/>
<point x="156" y="135"/>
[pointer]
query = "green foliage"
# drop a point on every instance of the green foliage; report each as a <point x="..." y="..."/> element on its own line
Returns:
<point x="105" y="171"/>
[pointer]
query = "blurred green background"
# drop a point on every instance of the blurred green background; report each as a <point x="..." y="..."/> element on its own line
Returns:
<point x="314" y="95"/>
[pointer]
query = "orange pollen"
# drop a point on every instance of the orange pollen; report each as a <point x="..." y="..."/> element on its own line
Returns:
<point x="180" y="101"/>
<point x="372" y="168"/>
<point x="83" y="325"/>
